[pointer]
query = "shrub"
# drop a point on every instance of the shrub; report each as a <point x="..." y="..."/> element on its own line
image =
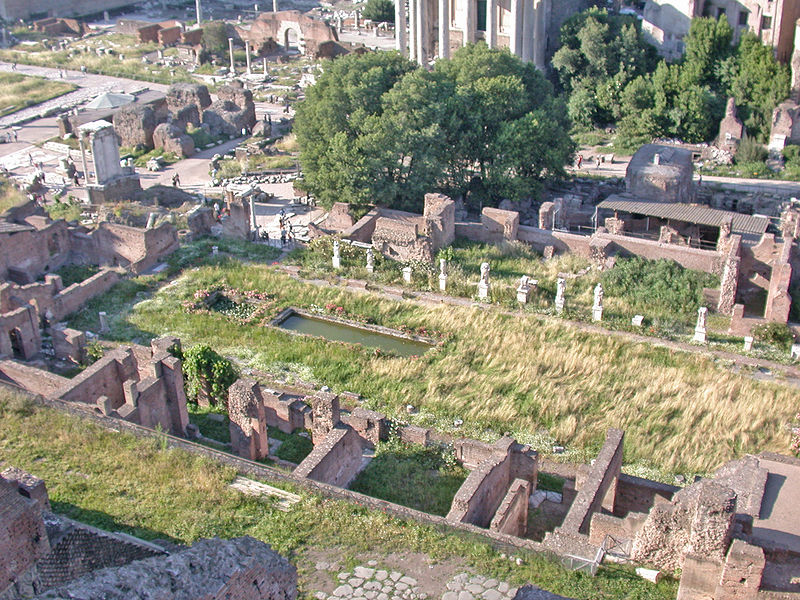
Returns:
<point x="777" y="334"/>
<point x="750" y="151"/>
<point x="207" y="373"/>
<point x="94" y="352"/>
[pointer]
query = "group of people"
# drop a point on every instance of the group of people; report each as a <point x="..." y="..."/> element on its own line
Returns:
<point x="598" y="160"/>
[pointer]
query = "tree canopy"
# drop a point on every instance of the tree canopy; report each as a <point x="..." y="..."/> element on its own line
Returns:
<point x="687" y="99"/>
<point x="377" y="129"/>
<point x="379" y="11"/>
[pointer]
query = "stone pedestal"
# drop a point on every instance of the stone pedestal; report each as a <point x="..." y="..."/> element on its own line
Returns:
<point x="442" y="283"/>
<point x="559" y="305"/>
<point x="214" y="250"/>
<point x="407" y="274"/>
<point x="370" y="269"/>
<point x="637" y="320"/>
<point x="103" y="322"/>
<point x="748" y="343"/>
<point x="699" y="335"/>
<point x="597" y="313"/>
<point x="337" y="262"/>
<point x="483" y="290"/>
<point x="522" y="294"/>
<point x="795" y="351"/>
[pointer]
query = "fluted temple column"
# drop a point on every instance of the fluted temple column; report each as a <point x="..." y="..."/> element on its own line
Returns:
<point x="528" y="29"/>
<point x="491" y="23"/>
<point x="517" y="20"/>
<point x="444" y="28"/>
<point x="412" y="29"/>
<point x="400" y="27"/>
<point x="422" y="32"/>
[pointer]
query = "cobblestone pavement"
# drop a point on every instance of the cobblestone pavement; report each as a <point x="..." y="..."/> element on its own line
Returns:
<point x="372" y="582"/>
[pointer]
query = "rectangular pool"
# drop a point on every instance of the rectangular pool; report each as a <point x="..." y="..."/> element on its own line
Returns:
<point x="341" y="332"/>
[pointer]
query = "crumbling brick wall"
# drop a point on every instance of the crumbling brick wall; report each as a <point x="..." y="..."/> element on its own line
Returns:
<point x="512" y="516"/>
<point x="248" y="421"/>
<point x="135" y="124"/>
<point x="501" y="224"/>
<point x="336" y="460"/>
<point x="482" y="493"/>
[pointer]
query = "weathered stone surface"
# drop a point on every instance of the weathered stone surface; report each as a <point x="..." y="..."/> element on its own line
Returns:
<point x="180" y="95"/>
<point x="134" y="125"/>
<point x="172" y="138"/>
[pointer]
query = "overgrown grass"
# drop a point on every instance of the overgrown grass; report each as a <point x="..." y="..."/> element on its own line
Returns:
<point x="10" y="196"/>
<point x="425" y="478"/>
<point x="545" y="382"/>
<point x="119" y="483"/>
<point x="75" y="273"/>
<point x="69" y="210"/>
<point x="212" y="421"/>
<point x="19" y="91"/>
<point x="665" y="292"/>
<point x="294" y="447"/>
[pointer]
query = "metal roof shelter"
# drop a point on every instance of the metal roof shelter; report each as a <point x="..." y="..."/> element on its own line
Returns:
<point x="688" y="213"/>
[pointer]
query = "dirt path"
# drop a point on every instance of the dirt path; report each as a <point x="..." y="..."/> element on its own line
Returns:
<point x="765" y="368"/>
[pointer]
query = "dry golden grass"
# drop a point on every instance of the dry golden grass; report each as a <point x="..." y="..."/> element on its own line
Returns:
<point x="18" y="91"/>
<point x="681" y="411"/>
<point x="9" y="195"/>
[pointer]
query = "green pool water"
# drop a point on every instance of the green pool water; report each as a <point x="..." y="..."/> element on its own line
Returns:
<point x="339" y="332"/>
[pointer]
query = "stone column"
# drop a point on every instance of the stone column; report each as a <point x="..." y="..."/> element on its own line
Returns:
<point x="247" y="55"/>
<point x="471" y="23"/>
<point x="422" y="32"/>
<point x="540" y="33"/>
<point x="407" y="274"/>
<point x="515" y="33"/>
<point x="561" y="287"/>
<point x="230" y="51"/>
<point x="491" y="23"/>
<point x="442" y="275"/>
<point x="337" y="261"/>
<point x="103" y="322"/>
<point x="265" y="66"/>
<point x="483" y="284"/>
<point x="370" y="261"/>
<point x="400" y="27"/>
<point x="528" y="29"/>
<point x="274" y="5"/>
<point x="198" y="12"/>
<point x="413" y="9"/>
<point x="83" y="157"/>
<point x="597" y="306"/>
<point x="253" y="212"/>
<point x="795" y="65"/>
<point x="444" y="29"/>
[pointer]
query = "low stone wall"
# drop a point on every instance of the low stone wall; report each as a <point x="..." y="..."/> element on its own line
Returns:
<point x="36" y="381"/>
<point x="336" y="460"/>
<point x="635" y="494"/>
<point x="72" y="298"/>
<point x="481" y="494"/>
<point x="598" y="488"/>
<point x="512" y="516"/>
<point x="689" y="258"/>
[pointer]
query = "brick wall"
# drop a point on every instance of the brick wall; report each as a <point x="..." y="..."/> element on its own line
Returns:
<point x="78" y="294"/>
<point x="635" y="494"/>
<point x="481" y="494"/>
<point x="336" y="460"/>
<point x="512" y="515"/>
<point x="34" y="252"/>
<point x="599" y="487"/>
<point x="36" y="381"/>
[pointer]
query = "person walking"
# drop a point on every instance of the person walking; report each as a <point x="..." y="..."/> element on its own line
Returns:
<point x="283" y="237"/>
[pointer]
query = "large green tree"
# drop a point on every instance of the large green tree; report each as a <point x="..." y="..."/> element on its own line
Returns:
<point x="599" y="54"/>
<point x="379" y="11"/>
<point x="686" y="100"/>
<point x="377" y="129"/>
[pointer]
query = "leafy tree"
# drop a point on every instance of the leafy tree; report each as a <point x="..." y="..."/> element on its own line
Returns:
<point x="376" y="129"/>
<point x="707" y="45"/>
<point x="207" y="374"/>
<point x="215" y="37"/>
<point x="599" y="55"/>
<point x="379" y="11"/>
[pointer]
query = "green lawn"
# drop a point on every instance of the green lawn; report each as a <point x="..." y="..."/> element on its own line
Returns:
<point x="120" y="483"/>
<point x="425" y="478"/>
<point x="19" y="91"/>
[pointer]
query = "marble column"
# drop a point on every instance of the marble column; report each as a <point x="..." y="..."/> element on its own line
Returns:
<point x="247" y="55"/>
<point x="198" y="12"/>
<point x="422" y="32"/>
<point x="400" y="27"/>
<point x="471" y="24"/>
<point x="515" y="31"/>
<point x="542" y="10"/>
<point x="528" y="29"/>
<point x="230" y="50"/>
<point x="444" y="29"/>
<point x="412" y="29"/>
<point x="491" y="23"/>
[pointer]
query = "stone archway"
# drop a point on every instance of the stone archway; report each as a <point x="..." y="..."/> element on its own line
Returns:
<point x="291" y="36"/>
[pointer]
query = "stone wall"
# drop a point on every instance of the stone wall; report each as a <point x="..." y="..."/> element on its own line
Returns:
<point x="248" y="421"/>
<point x="737" y="578"/>
<point x="132" y="247"/>
<point x="485" y="488"/>
<point x="500" y="224"/>
<point x="36" y="381"/>
<point x="19" y="333"/>
<point x="33" y="252"/>
<point x="238" y="569"/>
<point x="23" y="541"/>
<point x="661" y="174"/>
<point x="336" y="460"/>
<point x="597" y="485"/>
<point x="635" y="494"/>
<point x="512" y="515"/>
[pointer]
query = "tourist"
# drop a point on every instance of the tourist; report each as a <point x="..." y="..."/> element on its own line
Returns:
<point x="580" y="160"/>
<point x="13" y="66"/>
<point x="176" y="180"/>
<point x="30" y="159"/>
<point x="76" y="178"/>
<point x="283" y="237"/>
<point x="14" y="131"/>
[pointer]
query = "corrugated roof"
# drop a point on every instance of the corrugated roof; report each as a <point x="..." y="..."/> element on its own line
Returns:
<point x="689" y="213"/>
<point x="6" y="227"/>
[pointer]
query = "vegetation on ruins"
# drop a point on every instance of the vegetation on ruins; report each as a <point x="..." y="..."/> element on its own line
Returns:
<point x="609" y="75"/>
<point x="422" y="477"/>
<point x="207" y="374"/>
<point x="379" y="11"/>
<point x="10" y="196"/>
<point x="550" y="383"/>
<point x="117" y="482"/>
<point x="377" y="129"/>
<point x="20" y="91"/>
<point x="778" y="334"/>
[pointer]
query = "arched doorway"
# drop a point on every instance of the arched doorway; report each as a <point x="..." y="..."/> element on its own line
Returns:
<point x="16" y="343"/>
<point x="291" y="39"/>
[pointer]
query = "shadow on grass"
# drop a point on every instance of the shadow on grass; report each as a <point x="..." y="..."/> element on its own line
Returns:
<point x="106" y="522"/>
